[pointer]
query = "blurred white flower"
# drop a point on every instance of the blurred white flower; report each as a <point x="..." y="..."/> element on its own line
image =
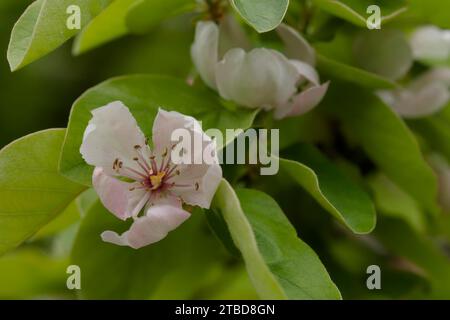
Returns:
<point x="129" y="176"/>
<point x="259" y="78"/>
<point x="424" y="96"/>
<point x="431" y="44"/>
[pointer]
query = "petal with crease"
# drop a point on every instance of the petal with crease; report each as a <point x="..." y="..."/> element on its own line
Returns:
<point x="205" y="51"/>
<point x="296" y="46"/>
<point x="116" y="196"/>
<point x="303" y="102"/>
<point x="151" y="228"/>
<point x="260" y="78"/>
<point x="111" y="134"/>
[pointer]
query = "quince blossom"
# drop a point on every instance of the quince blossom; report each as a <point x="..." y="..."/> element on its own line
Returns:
<point x="259" y="78"/>
<point x="424" y="96"/>
<point x="130" y="176"/>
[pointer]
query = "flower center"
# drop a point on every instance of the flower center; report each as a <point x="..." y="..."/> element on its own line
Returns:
<point x="156" y="180"/>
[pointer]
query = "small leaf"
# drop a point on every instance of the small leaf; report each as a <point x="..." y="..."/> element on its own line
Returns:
<point x="332" y="190"/>
<point x="355" y="11"/>
<point x="279" y="264"/>
<point x="387" y="141"/>
<point x="32" y="193"/>
<point x="43" y="28"/>
<point x="143" y="95"/>
<point x="107" y="26"/>
<point x="146" y="14"/>
<point x="394" y="202"/>
<point x="183" y="260"/>
<point x="263" y="15"/>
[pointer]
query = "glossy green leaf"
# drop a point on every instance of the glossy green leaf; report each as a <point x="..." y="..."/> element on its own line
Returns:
<point x="146" y="14"/>
<point x="143" y="95"/>
<point x="355" y="11"/>
<point x="331" y="188"/>
<point x="394" y="202"/>
<point x="32" y="192"/>
<point x="387" y="141"/>
<point x="279" y="264"/>
<point x="182" y="261"/>
<point x="107" y="26"/>
<point x="263" y="15"/>
<point x="43" y="28"/>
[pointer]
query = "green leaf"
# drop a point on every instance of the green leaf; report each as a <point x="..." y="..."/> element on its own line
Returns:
<point x="435" y="12"/>
<point x="331" y="188"/>
<point x="32" y="193"/>
<point x="143" y="95"/>
<point x="263" y="15"/>
<point x="394" y="202"/>
<point x="146" y="14"/>
<point x="31" y="274"/>
<point x="182" y="262"/>
<point x="387" y="141"/>
<point x="107" y="26"/>
<point x="355" y="11"/>
<point x="279" y="264"/>
<point x="43" y="28"/>
<point x="399" y="238"/>
<point x="336" y="59"/>
<point x="436" y="130"/>
<point x="348" y="73"/>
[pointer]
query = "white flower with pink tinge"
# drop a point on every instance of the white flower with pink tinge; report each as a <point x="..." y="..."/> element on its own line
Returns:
<point x="130" y="175"/>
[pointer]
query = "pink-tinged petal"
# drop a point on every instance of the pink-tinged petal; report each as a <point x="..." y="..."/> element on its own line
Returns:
<point x="112" y="134"/>
<point x="424" y="96"/>
<point x="306" y="71"/>
<point x="261" y="78"/>
<point x="205" y="51"/>
<point x="116" y="196"/>
<point x="296" y="46"/>
<point x="303" y="102"/>
<point x="153" y="227"/>
<point x="198" y="184"/>
<point x="165" y="125"/>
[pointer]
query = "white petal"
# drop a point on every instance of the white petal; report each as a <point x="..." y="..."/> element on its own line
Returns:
<point x="151" y="228"/>
<point x="202" y="180"/>
<point x="205" y="51"/>
<point x="430" y="43"/>
<point x="116" y="196"/>
<point x="296" y="46"/>
<point x="261" y="78"/>
<point x="306" y="71"/>
<point x="426" y="95"/>
<point x="164" y="125"/>
<point x="303" y="102"/>
<point x="111" y="134"/>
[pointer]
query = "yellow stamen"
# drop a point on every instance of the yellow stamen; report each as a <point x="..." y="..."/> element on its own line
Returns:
<point x="156" y="180"/>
